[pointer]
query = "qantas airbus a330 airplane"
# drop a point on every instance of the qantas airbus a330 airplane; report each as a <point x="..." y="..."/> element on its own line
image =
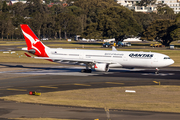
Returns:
<point x="100" y="60"/>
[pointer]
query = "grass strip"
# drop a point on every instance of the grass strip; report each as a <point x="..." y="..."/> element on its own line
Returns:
<point x="147" y="98"/>
<point x="19" y="57"/>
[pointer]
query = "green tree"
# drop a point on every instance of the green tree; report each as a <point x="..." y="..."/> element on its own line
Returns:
<point x="35" y="6"/>
<point x="92" y="32"/>
<point x="93" y="7"/>
<point x="164" y="9"/>
<point x="38" y="15"/>
<point x="18" y="9"/>
<point x="1" y="5"/>
<point x="6" y="26"/>
<point x="114" y="22"/>
<point x="81" y="16"/>
<point x="144" y="19"/>
<point x="47" y="1"/>
<point x="69" y="23"/>
<point x="56" y="9"/>
<point x="58" y="26"/>
<point x="160" y="30"/>
<point x="5" y="7"/>
<point x="175" y="34"/>
<point x="146" y="2"/>
<point x="178" y="19"/>
<point x="36" y="22"/>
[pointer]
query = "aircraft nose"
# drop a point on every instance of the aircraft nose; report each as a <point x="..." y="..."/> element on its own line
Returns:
<point x="171" y="61"/>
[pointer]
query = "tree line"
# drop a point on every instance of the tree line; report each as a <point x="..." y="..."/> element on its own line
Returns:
<point x="92" y="19"/>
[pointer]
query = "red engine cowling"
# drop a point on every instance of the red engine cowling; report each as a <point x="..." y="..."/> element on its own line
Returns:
<point x="102" y="67"/>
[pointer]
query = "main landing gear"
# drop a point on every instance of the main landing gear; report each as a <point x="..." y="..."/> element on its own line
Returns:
<point x="157" y="71"/>
<point x="87" y="70"/>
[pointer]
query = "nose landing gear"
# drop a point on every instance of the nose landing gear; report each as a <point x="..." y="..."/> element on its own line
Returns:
<point x="157" y="71"/>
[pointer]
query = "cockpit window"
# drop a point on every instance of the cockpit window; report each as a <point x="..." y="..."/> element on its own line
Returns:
<point x="167" y="58"/>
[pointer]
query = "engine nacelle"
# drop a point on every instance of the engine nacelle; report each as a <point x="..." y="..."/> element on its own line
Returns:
<point x="102" y="67"/>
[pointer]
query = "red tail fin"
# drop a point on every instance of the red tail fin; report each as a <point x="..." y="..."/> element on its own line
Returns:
<point x="32" y="41"/>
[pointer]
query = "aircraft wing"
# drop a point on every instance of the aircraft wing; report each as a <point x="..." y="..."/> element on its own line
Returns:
<point x="75" y="60"/>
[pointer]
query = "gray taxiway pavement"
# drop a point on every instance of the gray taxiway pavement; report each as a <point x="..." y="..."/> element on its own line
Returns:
<point x="22" y="110"/>
<point x="33" y="78"/>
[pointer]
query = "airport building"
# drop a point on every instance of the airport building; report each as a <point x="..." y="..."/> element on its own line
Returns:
<point x="11" y="2"/>
<point x="15" y="1"/>
<point x="128" y="2"/>
<point x="132" y="4"/>
<point x="174" y="4"/>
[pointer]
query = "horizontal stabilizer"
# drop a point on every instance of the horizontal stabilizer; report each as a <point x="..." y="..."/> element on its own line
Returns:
<point x="25" y="49"/>
<point x="27" y="55"/>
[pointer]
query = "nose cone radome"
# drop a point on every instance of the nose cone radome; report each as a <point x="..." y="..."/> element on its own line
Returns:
<point x="167" y="62"/>
<point x="171" y="61"/>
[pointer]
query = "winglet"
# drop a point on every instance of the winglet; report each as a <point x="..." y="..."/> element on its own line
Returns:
<point x="113" y="48"/>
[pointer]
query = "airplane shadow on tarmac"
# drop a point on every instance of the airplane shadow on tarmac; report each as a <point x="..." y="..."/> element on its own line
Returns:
<point x="78" y="69"/>
<point x="114" y="72"/>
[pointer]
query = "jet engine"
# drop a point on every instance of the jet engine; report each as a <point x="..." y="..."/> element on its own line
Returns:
<point x="102" y="67"/>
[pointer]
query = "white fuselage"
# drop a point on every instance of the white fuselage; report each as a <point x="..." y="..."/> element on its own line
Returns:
<point x="113" y="58"/>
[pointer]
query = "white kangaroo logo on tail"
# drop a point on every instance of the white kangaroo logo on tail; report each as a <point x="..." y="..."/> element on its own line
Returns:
<point x="33" y="42"/>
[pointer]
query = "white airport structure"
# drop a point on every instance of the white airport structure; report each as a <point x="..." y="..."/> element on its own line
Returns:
<point x="132" y="4"/>
<point x="15" y="1"/>
<point x="132" y="40"/>
<point x="22" y="1"/>
<point x="128" y="2"/>
<point x="174" y="4"/>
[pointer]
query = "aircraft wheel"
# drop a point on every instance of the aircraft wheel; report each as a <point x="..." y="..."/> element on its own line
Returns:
<point x="86" y="70"/>
<point x="157" y="71"/>
<point x="89" y="71"/>
<point x="83" y="70"/>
